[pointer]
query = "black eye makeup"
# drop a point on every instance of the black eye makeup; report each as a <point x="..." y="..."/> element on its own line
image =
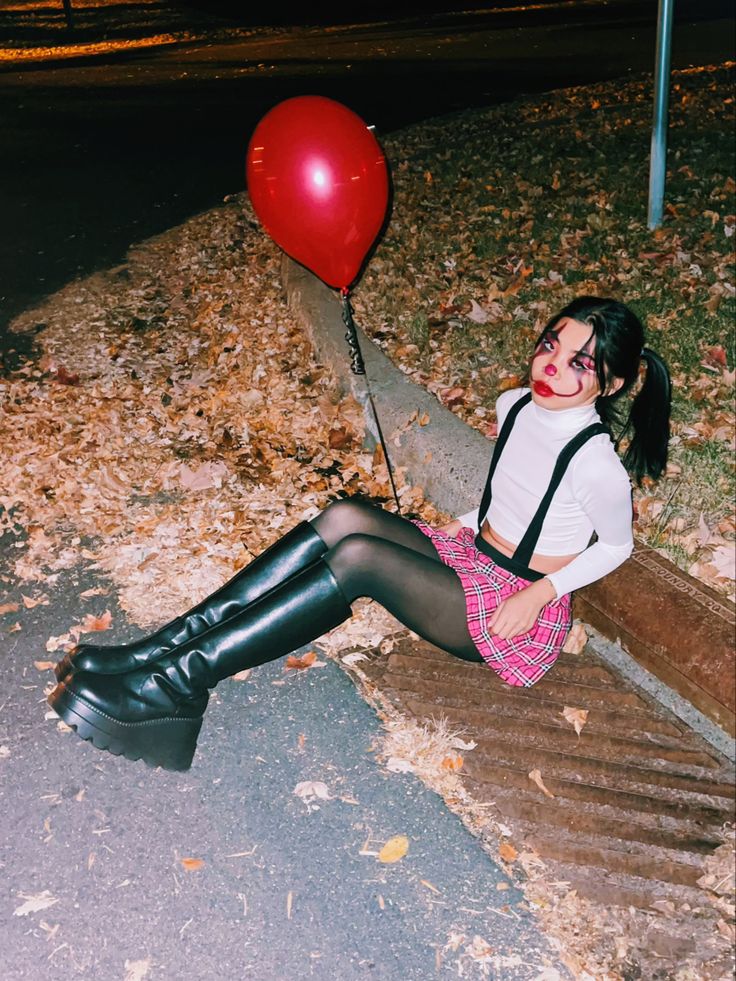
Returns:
<point x="582" y="364"/>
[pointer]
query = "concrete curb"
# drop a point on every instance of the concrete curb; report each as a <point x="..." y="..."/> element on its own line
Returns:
<point x="447" y="458"/>
<point x="669" y="623"/>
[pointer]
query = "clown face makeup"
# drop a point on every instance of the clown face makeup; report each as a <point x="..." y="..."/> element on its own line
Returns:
<point x="562" y="371"/>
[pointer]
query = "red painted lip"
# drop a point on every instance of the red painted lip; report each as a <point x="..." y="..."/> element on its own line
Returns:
<point x="542" y="389"/>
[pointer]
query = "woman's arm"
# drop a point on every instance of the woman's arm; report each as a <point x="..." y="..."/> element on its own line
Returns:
<point x="602" y="487"/>
<point x="519" y="612"/>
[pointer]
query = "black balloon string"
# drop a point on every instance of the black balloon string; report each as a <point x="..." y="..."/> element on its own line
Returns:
<point x="357" y="366"/>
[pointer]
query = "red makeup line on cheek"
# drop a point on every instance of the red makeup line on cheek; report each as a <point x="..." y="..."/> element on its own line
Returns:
<point x="572" y="394"/>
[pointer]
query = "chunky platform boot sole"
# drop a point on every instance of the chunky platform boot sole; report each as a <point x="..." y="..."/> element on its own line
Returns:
<point x="168" y="743"/>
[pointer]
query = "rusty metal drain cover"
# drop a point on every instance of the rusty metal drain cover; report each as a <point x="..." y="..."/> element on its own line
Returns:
<point x="637" y="799"/>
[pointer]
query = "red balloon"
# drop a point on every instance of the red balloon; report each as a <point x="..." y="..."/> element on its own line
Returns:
<point x="318" y="182"/>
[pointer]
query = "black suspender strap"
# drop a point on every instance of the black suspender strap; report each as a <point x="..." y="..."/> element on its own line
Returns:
<point x="503" y="436"/>
<point x="525" y="548"/>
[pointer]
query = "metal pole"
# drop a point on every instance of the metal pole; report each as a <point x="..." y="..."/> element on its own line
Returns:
<point x="658" y="159"/>
<point x="68" y="14"/>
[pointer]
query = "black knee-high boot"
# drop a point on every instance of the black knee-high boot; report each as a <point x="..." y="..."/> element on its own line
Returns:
<point x="155" y="712"/>
<point x="295" y="551"/>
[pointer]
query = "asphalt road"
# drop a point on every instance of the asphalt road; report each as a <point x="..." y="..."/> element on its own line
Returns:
<point x="111" y="870"/>
<point x="99" y="154"/>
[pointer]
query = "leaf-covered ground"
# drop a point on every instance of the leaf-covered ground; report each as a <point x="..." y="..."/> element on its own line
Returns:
<point x="503" y="215"/>
<point x="176" y="422"/>
<point x="30" y="30"/>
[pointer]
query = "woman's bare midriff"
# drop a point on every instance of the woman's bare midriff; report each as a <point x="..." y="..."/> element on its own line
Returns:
<point x="540" y="563"/>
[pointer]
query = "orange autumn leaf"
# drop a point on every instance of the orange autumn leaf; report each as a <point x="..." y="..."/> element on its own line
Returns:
<point x="576" y="640"/>
<point x="9" y="608"/>
<point x="576" y="717"/>
<point x="192" y="864"/>
<point x="29" y="602"/>
<point x="507" y="852"/>
<point x="716" y="354"/>
<point x="93" y="624"/>
<point x="511" y="381"/>
<point x="451" y="396"/>
<point x="452" y="763"/>
<point x="64" y="377"/>
<point x="340" y="439"/>
<point x="394" y="849"/>
<point x="514" y="287"/>
<point x="95" y="591"/>
<point x="300" y="663"/>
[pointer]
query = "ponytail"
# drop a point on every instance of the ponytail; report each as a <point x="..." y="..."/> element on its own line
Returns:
<point x="649" y="421"/>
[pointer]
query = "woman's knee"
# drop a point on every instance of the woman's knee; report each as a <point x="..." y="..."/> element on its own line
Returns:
<point x="343" y="518"/>
<point x="353" y="561"/>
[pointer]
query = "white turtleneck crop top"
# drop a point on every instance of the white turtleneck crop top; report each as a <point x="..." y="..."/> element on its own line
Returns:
<point x="594" y="495"/>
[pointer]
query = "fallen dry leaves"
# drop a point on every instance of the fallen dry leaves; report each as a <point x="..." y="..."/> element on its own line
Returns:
<point x="30" y="602"/>
<point x="311" y="790"/>
<point x="92" y="624"/>
<point x="394" y="850"/>
<point x="308" y="660"/>
<point x="35" y="902"/>
<point x="536" y="777"/>
<point x="427" y="749"/>
<point x="167" y="464"/>
<point x="137" y="970"/>
<point x="576" y="717"/>
<point x="576" y="640"/>
<point x="191" y="864"/>
<point x="507" y="852"/>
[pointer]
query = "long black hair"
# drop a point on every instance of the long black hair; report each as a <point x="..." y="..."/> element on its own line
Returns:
<point x="619" y="351"/>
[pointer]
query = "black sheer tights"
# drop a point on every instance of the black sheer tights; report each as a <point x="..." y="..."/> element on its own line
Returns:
<point x="374" y="553"/>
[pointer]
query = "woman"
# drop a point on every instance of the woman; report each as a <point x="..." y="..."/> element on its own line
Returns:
<point x="493" y="585"/>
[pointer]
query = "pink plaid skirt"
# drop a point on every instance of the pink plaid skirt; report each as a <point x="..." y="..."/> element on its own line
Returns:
<point x="521" y="660"/>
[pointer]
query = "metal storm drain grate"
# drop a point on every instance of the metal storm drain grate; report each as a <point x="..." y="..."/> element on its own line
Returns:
<point x="638" y="799"/>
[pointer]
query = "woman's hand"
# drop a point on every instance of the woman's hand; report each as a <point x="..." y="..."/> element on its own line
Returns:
<point x="452" y="528"/>
<point x="518" y="614"/>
